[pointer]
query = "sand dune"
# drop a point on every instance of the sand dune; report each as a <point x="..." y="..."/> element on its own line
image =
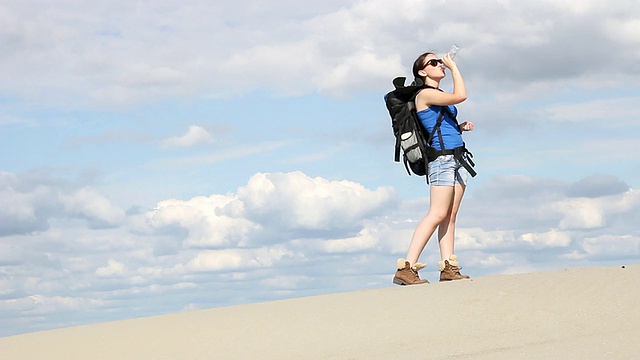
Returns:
<point x="589" y="313"/>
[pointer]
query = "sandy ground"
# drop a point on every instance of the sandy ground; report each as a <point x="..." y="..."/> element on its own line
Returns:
<point x="591" y="313"/>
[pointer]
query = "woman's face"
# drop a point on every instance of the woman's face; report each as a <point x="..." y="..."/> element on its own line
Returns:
<point x="433" y="67"/>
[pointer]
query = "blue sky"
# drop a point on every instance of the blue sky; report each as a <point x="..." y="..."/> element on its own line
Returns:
<point x="159" y="158"/>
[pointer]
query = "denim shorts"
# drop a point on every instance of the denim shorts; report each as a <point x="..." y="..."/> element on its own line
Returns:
<point x="445" y="170"/>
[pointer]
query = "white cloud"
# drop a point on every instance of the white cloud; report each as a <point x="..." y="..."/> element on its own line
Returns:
<point x="19" y="208"/>
<point x="231" y="260"/>
<point x="297" y="201"/>
<point x="88" y="203"/>
<point x="113" y="268"/>
<point x="344" y="78"/>
<point x="625" y="203"/>
<point x="624" y="31"/>
<point x="195" y="135"/>
<point x="364" y="241"/>
<point x="295" y="234"/>
<point x="552" y="238"/>
<point x="210" y="221"/>
<point x="493" y="261"/>
<point x="160" y="50"/>
<point x="477" y="238"/>
<point x="32" y="200"/>
<point x="580" y="213"/>
<point x="272" y="206"/>
<point x="612" y="247"/>
<point x="227" y="260"/>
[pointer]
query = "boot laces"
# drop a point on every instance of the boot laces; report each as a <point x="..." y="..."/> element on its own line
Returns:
<point x="415" y="274"/>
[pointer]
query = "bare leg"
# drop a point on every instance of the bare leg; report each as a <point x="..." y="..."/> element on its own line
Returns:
<point x="440" y="203"/>
<point x="447" y="227"/>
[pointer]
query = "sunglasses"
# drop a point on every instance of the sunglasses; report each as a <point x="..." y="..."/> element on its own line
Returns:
<point x="434" y="62"/>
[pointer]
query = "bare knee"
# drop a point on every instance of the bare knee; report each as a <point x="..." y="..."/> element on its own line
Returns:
<point x="439" y="217"/>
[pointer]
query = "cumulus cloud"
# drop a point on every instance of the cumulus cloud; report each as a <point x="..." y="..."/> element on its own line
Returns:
<point x="580" y="214"/>
<point x="298" y="202"/>
<point x="24" y="212"/>
<point x="552" y="238"/>
<point x="286" y="234"/>
<point x="274" y="208"/>
<point x="523" y="202"/>
<point x="93" y="206"/>
<point x="32" y="200"/>
<point x="209" y="221"/>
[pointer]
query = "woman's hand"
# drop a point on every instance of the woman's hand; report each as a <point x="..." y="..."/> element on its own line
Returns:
<point x="466" y="126"/>
<point x="448" y="61"/>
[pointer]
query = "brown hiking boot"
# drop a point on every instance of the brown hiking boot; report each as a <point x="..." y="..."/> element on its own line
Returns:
<point x="449" y="269"/>
<point x="407" y="274"/>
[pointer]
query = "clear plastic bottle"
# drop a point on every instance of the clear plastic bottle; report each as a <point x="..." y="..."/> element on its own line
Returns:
<point x="453" y="51"/>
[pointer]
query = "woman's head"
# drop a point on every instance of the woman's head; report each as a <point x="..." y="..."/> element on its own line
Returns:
<point x="428" y="65"/>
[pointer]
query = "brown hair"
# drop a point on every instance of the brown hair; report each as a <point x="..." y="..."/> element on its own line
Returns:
<point x="419" y="65"/>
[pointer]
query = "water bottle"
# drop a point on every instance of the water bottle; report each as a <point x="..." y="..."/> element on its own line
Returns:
<point x="409" y="143"/>
<point x="453" y="51"/>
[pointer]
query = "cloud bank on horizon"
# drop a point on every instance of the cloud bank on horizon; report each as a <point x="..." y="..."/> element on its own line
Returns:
<point x="182" y="156"/>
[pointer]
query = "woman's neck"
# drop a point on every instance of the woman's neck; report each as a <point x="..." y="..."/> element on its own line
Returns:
<point x="434" y="83"/>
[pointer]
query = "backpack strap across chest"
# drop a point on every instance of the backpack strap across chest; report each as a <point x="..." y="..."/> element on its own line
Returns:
<point x="459" y="152"/>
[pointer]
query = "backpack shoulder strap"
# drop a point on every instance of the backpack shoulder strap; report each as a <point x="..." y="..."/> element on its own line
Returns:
<point x="436" y="128"/>
<point x="453" y="117"/>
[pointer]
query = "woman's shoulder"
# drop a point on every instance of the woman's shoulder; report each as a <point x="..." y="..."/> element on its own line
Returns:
<point x="425" y="91"/>
<point x="430" y="110"/>
<point x="432" y="107"/>
<point x="436" y="109"/>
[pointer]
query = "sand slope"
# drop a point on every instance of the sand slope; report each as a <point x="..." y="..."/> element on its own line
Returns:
<point x="590" y="313"/>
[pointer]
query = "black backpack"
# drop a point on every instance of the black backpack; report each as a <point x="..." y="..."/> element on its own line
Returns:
<point x="411" y="137"/>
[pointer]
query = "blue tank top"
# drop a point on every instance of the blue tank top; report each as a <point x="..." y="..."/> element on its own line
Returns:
<point x="450" y="134"/>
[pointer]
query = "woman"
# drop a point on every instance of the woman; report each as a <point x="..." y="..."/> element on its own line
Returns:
<point x="447" y="175"/>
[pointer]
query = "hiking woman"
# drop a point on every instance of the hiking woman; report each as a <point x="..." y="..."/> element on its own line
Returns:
<point x="447" y="173"/>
